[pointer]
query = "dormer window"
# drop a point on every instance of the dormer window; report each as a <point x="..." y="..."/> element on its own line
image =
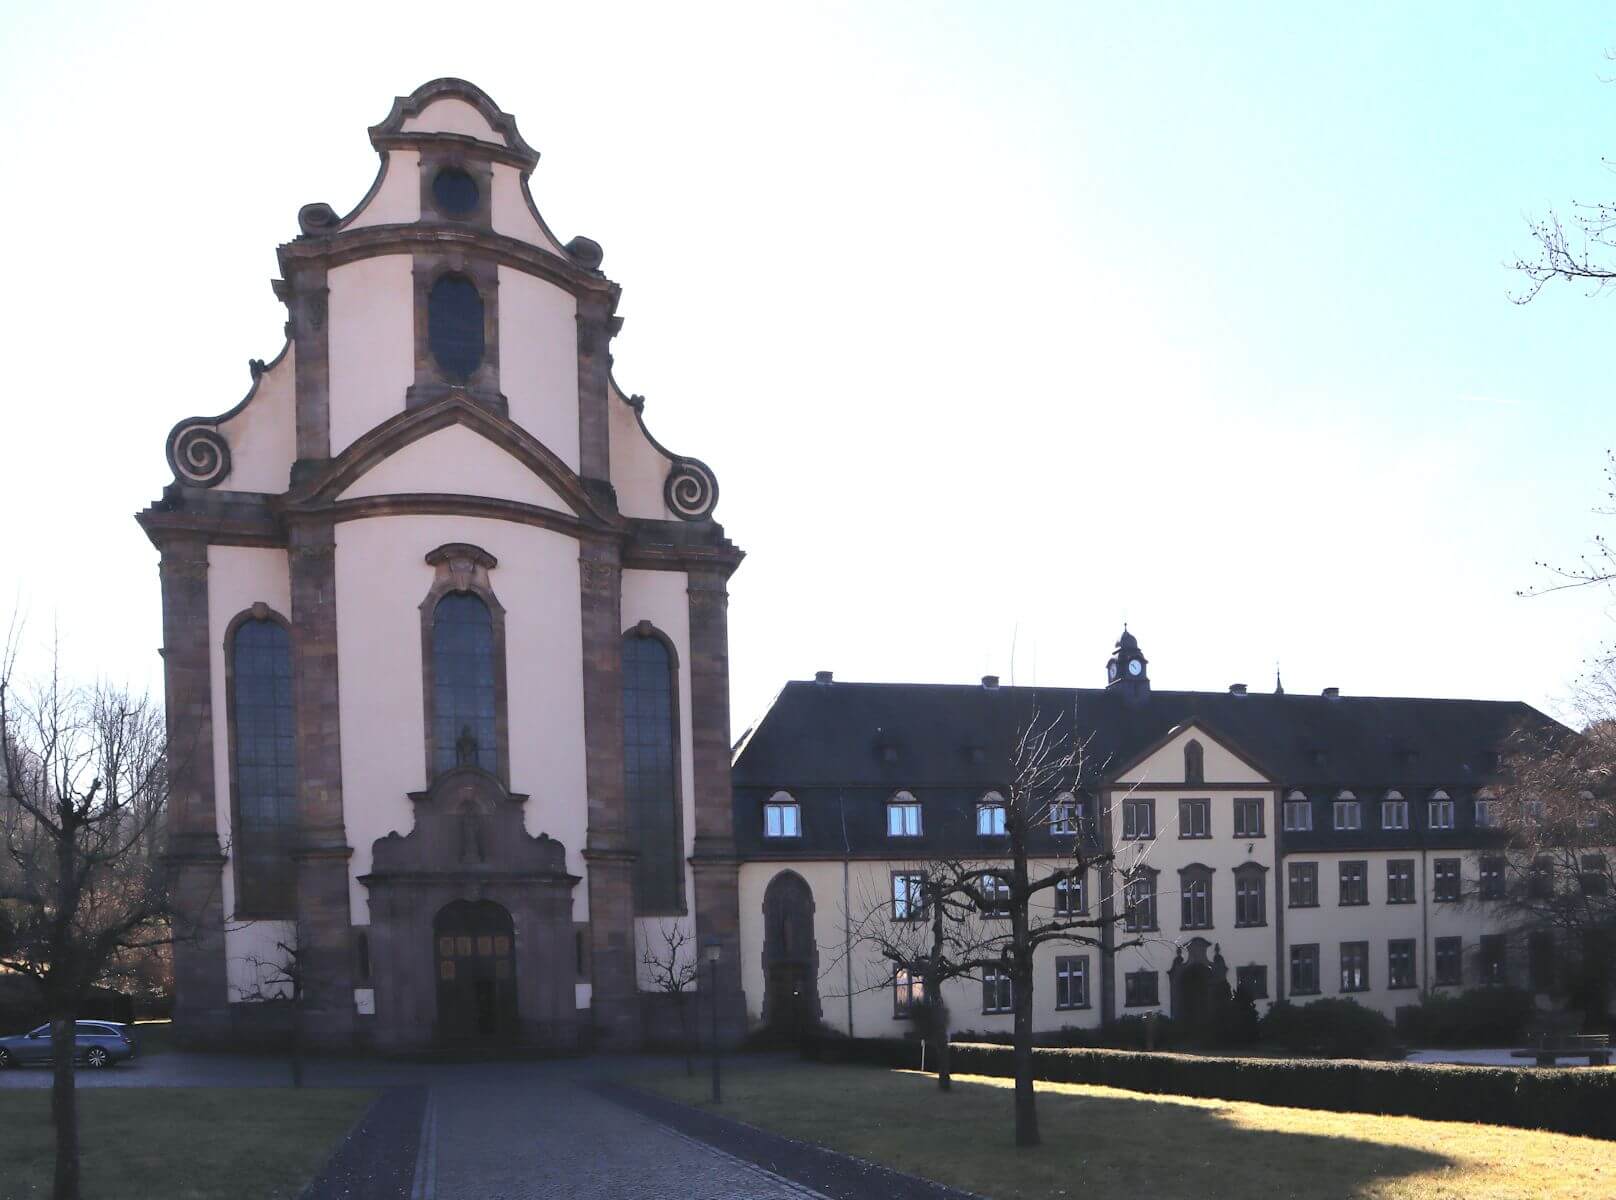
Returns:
<point x="1348" y="812"/>
<point x="1439" y="811"/>
<point x="990" y="816"/>
<point x="1298" y="813"/>
<point x="903" y="816"/>
<point x="1394" y="811"/>
<point x="782" y="817"/>
<point x="1065" y="815"/>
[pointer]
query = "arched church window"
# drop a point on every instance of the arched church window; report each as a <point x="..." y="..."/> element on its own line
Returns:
<point x="264" y="767"/>
<point x="1194" y="762"/>
<point x="454" y="313"/>
<point x="463" y="698"/>
<point x="651" y="771"/>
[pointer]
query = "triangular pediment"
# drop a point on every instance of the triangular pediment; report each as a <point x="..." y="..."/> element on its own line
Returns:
<point x="456" y="461"/>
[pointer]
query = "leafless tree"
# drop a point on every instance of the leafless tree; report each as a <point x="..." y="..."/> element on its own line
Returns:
<point x="283" y="981"/>
<point x="82" y="896"/>
<point x="674" y="970"/>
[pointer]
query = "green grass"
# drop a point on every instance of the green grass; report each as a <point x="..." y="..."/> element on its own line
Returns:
<point x="1102" y="1142"/>
<point x="179" y="1143"/>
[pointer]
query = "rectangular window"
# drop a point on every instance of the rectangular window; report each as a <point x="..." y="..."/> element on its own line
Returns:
<point x="1194" y="818"/>
<point x="782" y="821"/>
<point x="1446" y="889"/>
<point x="1072" y="981"/>
<point x="1305" y="970"/>
<point x="1139" y="989"/>
<point x="996" y="892"/>
<point x="1354" y="883"/>
<point x="907" y="991"/>
<point x="1394" y="814"/>
<point x="1071" y="897"/>
<point x="1196" y="903"/>
<point x="1065" y="817"/>
<point x="1449" y="957"/>
<point x="1141" y="897"/>
<point x="996" y="991"/>
<point x="1138" y="819"/>
<point x="990" y="820"/>
<point x="1354" y="966"/>
<point x="1595" y="875"/>
<point x="1248" y="822"/>
<point x="1400" y="963"/>
<point x="1540" y="878"/>
<point x="1486" y="814"/>
<point x="1348" y="814"/>
<point x="1250" y="898"/>
<point x="1540" y="960"/>
<point x="1303" y="884"/>
<point x="1400" y="881"/>
<point x="908" y="896"/>
<point x="1440" y="813"/>
<point x="903" y="819"/>
<point x="1492" y="877"/>
<point x="1298" y="816"/>
<point x="1492" y="962"/>
<point x="1253" y="981"/>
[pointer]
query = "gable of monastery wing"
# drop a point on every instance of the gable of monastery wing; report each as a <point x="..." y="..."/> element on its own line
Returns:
<point x="441" y="341"/>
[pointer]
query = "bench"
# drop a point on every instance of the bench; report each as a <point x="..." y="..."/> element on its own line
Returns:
<point x="1595" y="1047"/>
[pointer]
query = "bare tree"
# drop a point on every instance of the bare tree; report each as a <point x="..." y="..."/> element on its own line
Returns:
<point x="82" y="896"/>
<point x="283" y="980"/>
<point x="674" y="970"/>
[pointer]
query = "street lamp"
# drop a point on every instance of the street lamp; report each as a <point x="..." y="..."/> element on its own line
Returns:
<point x="714" y="949"/>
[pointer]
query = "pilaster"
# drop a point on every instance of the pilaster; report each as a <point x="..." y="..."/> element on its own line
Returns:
<point x="309" y="326"/>
<point x="596" y="326"/>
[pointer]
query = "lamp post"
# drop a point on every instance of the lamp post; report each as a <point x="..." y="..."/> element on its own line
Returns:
<point x="714" y="949"/>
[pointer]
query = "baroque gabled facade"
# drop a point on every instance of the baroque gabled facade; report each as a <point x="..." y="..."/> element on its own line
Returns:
<point x="444" y="634"/>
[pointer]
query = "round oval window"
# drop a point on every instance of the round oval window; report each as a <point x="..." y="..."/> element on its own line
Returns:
<point x="455" y="191"/>
<point x="454" y="313"/>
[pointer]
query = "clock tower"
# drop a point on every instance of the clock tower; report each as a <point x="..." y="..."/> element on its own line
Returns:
<point x="1126" y="671"/>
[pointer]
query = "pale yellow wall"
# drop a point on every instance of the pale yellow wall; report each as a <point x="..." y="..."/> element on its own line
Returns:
<point x="452" y="115"/>
<point x="456" y="461"/>
<point x="372" y="344"/>
<point x="511" y="213"/>
<point x="398" y="200"/>
<point x="381" y="580"/>
<point x="263" y="435"/>
<point x="538" y="360"/>
<point x="638" y="471"/>
<point x="1166" y="765"/>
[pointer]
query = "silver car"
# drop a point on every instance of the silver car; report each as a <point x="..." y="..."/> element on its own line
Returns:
<point x="96" y="1044"/>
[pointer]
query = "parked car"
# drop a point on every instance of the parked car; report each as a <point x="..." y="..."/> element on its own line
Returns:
<point x="97" y="1044"/>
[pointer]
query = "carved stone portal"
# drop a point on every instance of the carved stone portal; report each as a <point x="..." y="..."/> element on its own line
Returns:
<point x="470" y="848"/>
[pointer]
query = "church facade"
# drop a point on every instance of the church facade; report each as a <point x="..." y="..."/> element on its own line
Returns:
<point x="444" y="636"/>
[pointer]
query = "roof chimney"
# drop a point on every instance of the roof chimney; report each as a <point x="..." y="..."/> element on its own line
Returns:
<point x="1332" y="693"/>
<point x="990" y="682"/>
<point x="822" y="676"/>
<point x="1237" y="689"/>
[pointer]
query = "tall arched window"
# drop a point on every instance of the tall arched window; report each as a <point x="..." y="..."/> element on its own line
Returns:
<point x="1194" y="762"/>
<point x="651" y="771"/>
<point x="263" y="766"/>
<point x="463" y="696"/>
<point x="454" y="329"/>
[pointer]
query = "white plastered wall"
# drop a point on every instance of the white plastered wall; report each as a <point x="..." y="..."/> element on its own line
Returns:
<point x="456" y="461"/>
<point x="538" y="360"/>
<point x="869" y="896"/>
<point x="661" y="597"/>
<point x="382" y="577"/>
<point x="238" y="578"/>
<point x="372" y="344"/>
<point x="398" y="200"/>
<point x="638" y="470"/>
<point x="263" y="435"/>
<point x="512" y="215"/>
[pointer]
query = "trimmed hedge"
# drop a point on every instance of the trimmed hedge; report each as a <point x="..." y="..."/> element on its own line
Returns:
<point x="1571" y="1100"/>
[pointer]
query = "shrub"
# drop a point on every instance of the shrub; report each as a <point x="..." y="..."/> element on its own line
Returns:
<point x="1334" y="1028"/>
<point x="1574" y="1101"/>
<point x="1494" y="1016"/>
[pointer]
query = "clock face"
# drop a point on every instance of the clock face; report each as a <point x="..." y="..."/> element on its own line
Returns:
<point x="1135" y="667"/>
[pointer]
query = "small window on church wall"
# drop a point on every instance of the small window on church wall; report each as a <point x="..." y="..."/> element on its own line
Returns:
<point x="265" y="766"/>
<point x="454" y="314"/>
<point x="650" y="766"/>
<point x="454" y="191"/>
<point x="463" y="684"/>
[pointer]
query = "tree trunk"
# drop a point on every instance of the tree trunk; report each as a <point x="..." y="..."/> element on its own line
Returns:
<point x="297" y="1043"/>
<point x="938" y="1034"/>
<point x="689" y="1036"/>
<point x="65" y="1107"/>
<point x="1026" y="1101"/>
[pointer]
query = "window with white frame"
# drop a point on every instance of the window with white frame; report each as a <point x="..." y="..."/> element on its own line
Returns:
<point x="1140" y="989"/>
<point x="990" y="816"/>
<point x="1393" y="812"/>
<point x="1248" y="822"/>
<point x="1439" y="813"/>
<point x="1065" y="815"/>
<point x="1487" y="814"/>
<point x="1140" y="896"/>
<point x="903" y="816"/>
<point x="1534" y="810"/>
<point x="1071" y="897"/>
<point x="1250" y="895"/>
<point x="1195" y="898"/>
<point x="1138" y="819"/>
<point x="1298" y="813"/>
<point x="1072" y="981"/>
<point x="1348" y="812"/>
<point x="782" y="817"/>
<point x="997" y="996"/>
<point x="1194" y="818"/>
<point x="1354" y="966"/>
<point x="1400" y="881"/>
<point x="995" y="896"/>
<point x="908" y="895"/>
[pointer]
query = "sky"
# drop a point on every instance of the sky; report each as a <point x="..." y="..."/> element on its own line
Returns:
<point x="1000" y="324"/>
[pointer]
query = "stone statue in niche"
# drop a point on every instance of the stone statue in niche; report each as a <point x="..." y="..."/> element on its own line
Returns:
<point x="466" y="748"/>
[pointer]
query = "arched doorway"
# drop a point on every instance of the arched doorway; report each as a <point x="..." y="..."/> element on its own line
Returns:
<point x="1198" y="983"/>
<point x="475" y="948"/>
<point x="790" y="956"/>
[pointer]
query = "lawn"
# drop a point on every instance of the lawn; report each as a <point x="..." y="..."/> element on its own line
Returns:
<point x="180" y="1143"/>
<point x="1102" y="1142"/>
